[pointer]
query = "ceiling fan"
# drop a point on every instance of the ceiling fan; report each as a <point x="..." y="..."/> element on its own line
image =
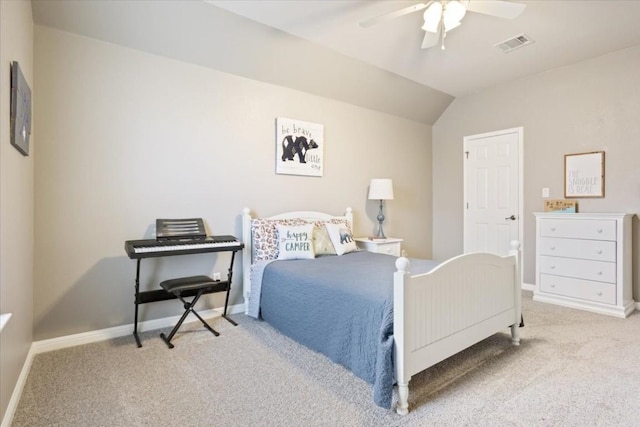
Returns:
<point x="441" y="16"/>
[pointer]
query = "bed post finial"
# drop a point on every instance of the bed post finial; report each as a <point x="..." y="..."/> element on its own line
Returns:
<point x="348" y="214"/>
<point x="402" y="264"/>
<point x="246" y="257"/>
<point x="515" y="251"/>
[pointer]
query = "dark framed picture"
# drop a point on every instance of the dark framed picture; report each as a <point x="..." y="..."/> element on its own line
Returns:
<point x="20" y="110"/>
<point x="584" y="175"/>
<point x="299" y="147"/>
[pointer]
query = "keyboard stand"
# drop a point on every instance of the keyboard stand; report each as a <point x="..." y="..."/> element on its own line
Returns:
<point x="161" y="295"/>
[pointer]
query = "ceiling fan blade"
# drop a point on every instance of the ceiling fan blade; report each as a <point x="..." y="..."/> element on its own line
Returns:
<point x="499" y="8"/>
<point x="393" y="15"/>
<point x="430" y="39"/>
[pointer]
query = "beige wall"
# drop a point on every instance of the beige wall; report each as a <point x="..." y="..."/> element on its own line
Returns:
<point x="16" y="200"/>
<point x="128" y="137"/>
<point x="590" y="106"/>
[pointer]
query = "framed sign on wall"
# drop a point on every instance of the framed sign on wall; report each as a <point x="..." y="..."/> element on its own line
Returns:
<point x="299" y="147"/>
<point x="584" y="175"/>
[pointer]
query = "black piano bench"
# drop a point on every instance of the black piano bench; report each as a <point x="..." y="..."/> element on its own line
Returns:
<point x="201" y="284"/>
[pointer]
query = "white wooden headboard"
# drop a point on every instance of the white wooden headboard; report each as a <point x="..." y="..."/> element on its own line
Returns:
<point x="247" y="253"/>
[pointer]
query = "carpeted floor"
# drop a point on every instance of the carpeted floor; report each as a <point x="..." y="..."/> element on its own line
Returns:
<point x="573" y="368"/>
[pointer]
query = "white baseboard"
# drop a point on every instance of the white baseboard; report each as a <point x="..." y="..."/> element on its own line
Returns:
<point x="528" y="287"/>
<point x="17" y="390"/>
<point x="89" y="337"/>
<point x="119" y="331"/>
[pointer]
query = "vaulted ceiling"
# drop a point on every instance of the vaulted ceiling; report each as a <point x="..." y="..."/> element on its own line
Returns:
<point x="319" y="46"/>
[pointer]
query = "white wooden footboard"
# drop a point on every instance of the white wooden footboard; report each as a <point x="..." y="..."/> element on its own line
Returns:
<point x="461" y="302"/>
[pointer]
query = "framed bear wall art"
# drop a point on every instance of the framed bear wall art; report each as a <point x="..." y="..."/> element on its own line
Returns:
<point x="299" y="147"/>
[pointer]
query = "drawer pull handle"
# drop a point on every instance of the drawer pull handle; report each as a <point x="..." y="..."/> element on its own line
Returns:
<point x="553" y="229"/>
<point x="599" y="273"/>
<point x="599" y="230"/>
<point x="599" y="252"/>
<point x="599" y="293"/>
<point x="553" y="285"/>
<point x="552" y="267"/>
<point x="553" y="248"/>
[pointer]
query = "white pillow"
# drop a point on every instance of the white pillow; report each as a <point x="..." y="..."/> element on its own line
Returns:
<point x="342" y="238"/>
<point x="295" y="241"/>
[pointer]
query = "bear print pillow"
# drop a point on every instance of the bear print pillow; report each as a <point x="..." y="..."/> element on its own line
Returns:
<point x="342" y="238"/>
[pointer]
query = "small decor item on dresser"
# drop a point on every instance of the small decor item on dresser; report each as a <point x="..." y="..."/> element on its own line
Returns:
<point x="377" y="238"/>
<point x="584" y="174"/>
<point x="561" y="206"/>
<point x="299" y="147"/>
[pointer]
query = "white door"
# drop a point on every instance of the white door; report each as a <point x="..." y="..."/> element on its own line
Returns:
<point x="492" y="191"/>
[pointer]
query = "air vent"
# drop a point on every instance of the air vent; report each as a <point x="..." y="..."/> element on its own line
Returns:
<point x="514" y="43"/>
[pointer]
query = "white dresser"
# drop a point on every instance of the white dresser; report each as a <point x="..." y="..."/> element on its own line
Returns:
<point x="583" y="260"/>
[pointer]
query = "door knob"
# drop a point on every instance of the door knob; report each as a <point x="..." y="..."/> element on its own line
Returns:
<point x="512" y="218"/>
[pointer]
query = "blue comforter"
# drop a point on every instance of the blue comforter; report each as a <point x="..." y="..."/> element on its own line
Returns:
<point x="341" y="306"/>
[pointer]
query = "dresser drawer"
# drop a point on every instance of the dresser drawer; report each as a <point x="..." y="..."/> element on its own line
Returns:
<point x="593" y="229"/>
<point x="390" y="246"/>
<point x="598" y="250"/>
<point x="578" y="268"/>
<point x="576" y="288"/>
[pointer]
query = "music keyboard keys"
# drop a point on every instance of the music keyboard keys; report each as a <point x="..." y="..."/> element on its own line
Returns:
<point x="147" y="248"/>
<point x="166" y="248"/>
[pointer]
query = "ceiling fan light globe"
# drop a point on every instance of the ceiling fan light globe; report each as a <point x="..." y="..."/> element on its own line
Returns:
<point x="430" y="27"/>
<point x="453" y="13"/>
<point x="432" y="17"/>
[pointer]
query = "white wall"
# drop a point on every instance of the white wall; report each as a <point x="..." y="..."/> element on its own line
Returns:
<point x="128" y="137"/>
<point x="590" y="106"/>
<point x="16" y="201"/>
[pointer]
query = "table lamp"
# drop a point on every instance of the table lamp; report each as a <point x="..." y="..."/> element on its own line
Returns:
<point x="380" y="189"/>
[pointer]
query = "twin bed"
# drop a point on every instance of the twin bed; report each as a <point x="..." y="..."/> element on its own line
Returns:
<point x="382" y="317"/>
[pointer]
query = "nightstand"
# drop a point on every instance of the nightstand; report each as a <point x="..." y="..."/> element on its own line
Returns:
<point x="390" y="246"/>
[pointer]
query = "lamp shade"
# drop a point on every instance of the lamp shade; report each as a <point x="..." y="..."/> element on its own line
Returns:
<point x="381" y="189"/>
